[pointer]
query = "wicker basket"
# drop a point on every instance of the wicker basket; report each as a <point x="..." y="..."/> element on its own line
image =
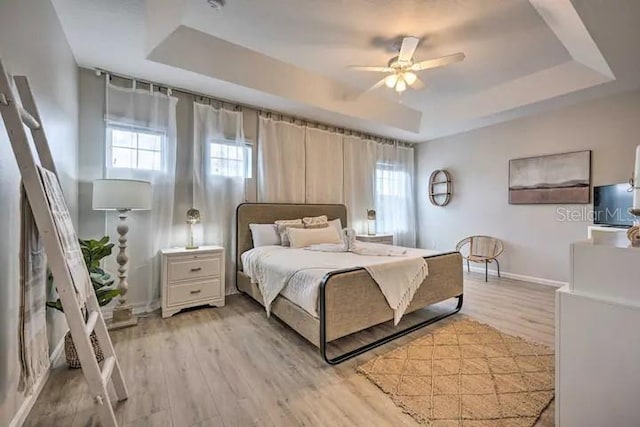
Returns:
<point x="72" y="356"/>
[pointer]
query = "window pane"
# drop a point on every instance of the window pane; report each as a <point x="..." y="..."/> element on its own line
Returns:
<point x="122" y="138"/>
<point x="217" y="166"/>
<point x="229" y="159"/>
<point x="146" y="160"/>
<point x="148" y="141"/>
<point x="135" y="149"/>
<point x="216" y="150"/>
<point x="123" y="157"/>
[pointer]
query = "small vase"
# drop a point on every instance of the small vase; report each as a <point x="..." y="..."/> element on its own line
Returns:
<point x="72" y="355"/>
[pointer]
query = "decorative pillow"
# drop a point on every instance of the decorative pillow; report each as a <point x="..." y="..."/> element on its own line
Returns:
<point x="318" y="225"/>
<point x="265" y="235"/>
<point x="282" y="226"/>
<point x="301" y="238"/>
<point x="314" y="220"/>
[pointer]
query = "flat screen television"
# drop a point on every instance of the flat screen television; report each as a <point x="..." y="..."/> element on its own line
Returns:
<point x="611" y="205"/>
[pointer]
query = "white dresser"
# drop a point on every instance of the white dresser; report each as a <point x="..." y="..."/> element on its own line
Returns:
<point x="191" y="277"/>
<point x="598" y="339"/>
<point x="386" y="239"/>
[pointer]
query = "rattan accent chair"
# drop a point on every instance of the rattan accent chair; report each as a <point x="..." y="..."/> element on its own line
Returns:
<point x="481" y="249"/>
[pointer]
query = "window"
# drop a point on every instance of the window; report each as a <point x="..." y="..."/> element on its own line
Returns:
<point x="390" y="182"/>
<point x="134" y="148"/>
<point x="226" y="158"/>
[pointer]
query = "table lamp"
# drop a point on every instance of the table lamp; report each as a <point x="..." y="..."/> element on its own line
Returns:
<point x="193" y="218"/>
<point x="122" y="195"/>
<point x="371" y="222"/>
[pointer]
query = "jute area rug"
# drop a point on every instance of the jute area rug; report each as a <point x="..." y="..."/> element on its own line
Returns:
<point x="467" y="374"/>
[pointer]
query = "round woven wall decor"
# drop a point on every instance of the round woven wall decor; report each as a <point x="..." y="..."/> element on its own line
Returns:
<point x="440" y="188"/>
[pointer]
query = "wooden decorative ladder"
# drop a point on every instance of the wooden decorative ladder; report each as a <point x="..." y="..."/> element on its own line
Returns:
<point x="16" y="115"/>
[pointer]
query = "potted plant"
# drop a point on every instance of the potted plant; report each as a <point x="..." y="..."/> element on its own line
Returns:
<point x="93" y="251"/>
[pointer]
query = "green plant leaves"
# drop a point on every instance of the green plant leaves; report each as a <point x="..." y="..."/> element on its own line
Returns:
<point x="93" y="251"/>
<point x="106" y="295"/>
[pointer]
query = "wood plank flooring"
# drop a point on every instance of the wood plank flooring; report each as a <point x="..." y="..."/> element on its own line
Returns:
<point x="231" y="366"/>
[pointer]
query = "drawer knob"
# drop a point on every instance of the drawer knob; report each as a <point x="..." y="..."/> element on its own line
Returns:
<point x="196" y="291"/>
<point x="196" y="269"/>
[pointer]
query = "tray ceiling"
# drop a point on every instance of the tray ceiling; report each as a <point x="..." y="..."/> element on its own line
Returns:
<point x="292" y="55"/>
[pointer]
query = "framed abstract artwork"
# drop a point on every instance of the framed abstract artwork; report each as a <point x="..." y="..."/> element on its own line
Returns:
<point x="554" y="179"/>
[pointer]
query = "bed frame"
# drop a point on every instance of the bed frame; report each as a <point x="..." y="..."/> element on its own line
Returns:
<point x="350" y="301"/>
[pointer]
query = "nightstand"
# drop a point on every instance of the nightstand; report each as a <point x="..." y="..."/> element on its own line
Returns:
<point x="386" y="239"/>
<point x="191" y="277"/>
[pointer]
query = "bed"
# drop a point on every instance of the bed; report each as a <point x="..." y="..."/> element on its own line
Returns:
<point x="349" y="299"/>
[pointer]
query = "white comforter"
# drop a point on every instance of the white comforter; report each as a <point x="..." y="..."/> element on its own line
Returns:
<point x="296" y="274"/>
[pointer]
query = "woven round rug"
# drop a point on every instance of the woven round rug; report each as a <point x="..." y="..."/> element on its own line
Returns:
<point x="467" y="374"/>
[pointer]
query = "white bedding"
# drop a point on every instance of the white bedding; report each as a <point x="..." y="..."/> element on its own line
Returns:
<point x="305" y="269"/>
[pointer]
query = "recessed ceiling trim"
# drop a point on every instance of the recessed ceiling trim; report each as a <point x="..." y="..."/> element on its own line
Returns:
<point x="202" y="53"/>
<point x="564" y="21"/>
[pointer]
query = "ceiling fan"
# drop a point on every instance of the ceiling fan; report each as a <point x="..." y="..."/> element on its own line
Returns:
<point x="402" y="69"/>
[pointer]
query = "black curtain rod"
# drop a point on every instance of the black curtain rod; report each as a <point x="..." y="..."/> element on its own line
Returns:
<point x="261" y="111"/>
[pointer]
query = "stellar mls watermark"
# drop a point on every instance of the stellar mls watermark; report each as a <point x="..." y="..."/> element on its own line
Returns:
<point x="587" y="214"/>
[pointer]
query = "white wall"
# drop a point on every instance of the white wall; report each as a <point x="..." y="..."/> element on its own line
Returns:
<point x="32" y="43"/>
<point x="537" y="242"/>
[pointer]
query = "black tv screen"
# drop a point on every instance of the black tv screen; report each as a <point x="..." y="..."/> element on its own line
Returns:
<point x="611" y="205"/>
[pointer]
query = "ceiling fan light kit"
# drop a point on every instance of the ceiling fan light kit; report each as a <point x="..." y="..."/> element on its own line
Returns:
<point x="402" y="68"/>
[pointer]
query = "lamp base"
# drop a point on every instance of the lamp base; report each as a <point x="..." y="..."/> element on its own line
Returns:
<point x="191" y="247"/>
<point x="122" y="318"/>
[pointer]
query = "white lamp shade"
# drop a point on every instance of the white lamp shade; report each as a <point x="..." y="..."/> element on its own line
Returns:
<point x="117" y="194"/>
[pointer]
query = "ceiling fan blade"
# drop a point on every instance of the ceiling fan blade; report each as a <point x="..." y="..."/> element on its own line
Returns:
<point x="418" y="84"/>
<point x="368" y="68"/>
<point x="377" y="85"/>
<point x="409" y="45"/>
<point x="438" y="62"/>
<point x="353" y="95"/>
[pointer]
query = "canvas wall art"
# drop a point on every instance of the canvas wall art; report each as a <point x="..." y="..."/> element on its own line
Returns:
<point x="555" y="179"/>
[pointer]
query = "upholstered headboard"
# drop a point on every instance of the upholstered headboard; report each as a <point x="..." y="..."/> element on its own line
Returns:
<point x="267" y="213"/>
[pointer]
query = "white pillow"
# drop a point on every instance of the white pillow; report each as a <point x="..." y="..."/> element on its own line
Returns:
<point x="303" y="237"/>
<point x="283" y="224"/>
<point x="337" y="224"/>
<point x="264" y="235"/>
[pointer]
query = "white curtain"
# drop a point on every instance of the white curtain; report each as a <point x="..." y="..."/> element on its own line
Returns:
<point x="149" y="231"/>
<point x="395" y="208"/>
<point x="217" y="194"/>
<point x="324" y="166"/>
<point x="359" y="180"/>
<point x="281" y="162"/>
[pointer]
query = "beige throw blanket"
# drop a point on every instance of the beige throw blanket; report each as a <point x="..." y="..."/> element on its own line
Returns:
<point x="399" y="281"/>
<point x="274" y="267"/>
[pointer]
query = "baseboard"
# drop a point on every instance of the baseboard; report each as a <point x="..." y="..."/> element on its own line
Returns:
<point x="23" y="412"/>
<point x="531" y="279"/>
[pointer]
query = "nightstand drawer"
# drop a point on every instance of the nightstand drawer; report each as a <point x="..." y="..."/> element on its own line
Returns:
<point x="386" y="239"/>
<point x="188" y="268"/>
<point x="180" y="294"/>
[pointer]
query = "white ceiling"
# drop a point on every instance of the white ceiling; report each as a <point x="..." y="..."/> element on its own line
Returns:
<point x="292" y="55"/>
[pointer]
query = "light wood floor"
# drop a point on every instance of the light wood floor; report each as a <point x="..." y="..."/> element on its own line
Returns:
<point x="231" y="366"/>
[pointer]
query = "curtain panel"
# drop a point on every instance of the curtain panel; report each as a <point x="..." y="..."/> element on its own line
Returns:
<point x="394" y="197"/>
<point x="215" y="194"/>
<point x="299" y="164"/>
<point x="359" y="180"/>
<point x="324" y="181"/>
<point x="149" y="231"/>
<point x="281" y="162"/>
